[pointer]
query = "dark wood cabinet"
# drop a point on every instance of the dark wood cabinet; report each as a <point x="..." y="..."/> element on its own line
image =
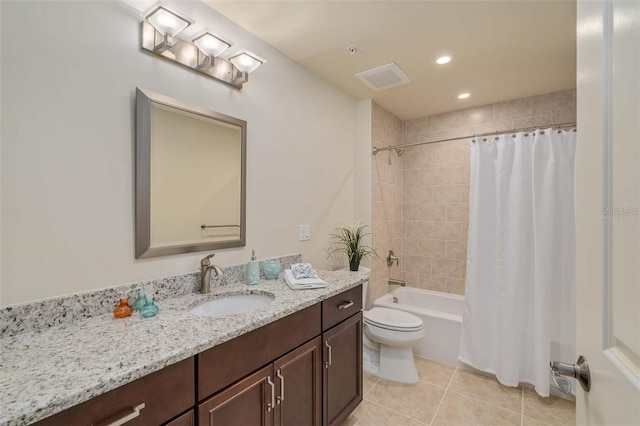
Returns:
<point x="342" y="381"/>
<point x="248" y="402"/>
<point x="298" y="378"/>
<point x="287" y="392"/>
<point x="186" y="419"/>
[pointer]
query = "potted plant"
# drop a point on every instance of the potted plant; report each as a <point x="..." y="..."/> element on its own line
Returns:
<point x="350" y="240"/>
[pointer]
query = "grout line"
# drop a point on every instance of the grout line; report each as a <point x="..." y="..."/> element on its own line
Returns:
<point x="443" y="395"/>
<point x="484" y="402"/>
<point x="522" y="408"/>
<point x="396" y="412"/>
<point x="372" y="386"/>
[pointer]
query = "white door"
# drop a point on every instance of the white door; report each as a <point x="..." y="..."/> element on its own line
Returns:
<point x="608" y="210"/>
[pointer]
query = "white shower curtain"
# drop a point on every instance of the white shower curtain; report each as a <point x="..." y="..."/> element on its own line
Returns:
<point x="520" y="289"/>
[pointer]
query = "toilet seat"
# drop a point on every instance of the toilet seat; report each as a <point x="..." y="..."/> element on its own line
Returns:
<point x="392" y="319"/>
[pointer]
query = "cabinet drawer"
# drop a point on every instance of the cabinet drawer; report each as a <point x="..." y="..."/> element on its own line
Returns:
<point x="187" y="419"/>
<point x="165" y="394"/>
<point x="226" y="363"/>
<point x="341" y="307"/>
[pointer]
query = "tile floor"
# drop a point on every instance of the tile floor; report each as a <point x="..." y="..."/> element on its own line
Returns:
<point x="449" y="396"/>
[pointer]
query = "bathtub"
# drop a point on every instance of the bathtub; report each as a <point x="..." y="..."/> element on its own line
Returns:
<point x="442" y="317"/>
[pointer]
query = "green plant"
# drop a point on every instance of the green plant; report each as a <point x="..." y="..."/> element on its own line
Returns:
<point x="350" y="240"/>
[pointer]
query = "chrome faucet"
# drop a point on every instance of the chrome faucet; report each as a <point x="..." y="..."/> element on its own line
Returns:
<point x="205" y="274"/>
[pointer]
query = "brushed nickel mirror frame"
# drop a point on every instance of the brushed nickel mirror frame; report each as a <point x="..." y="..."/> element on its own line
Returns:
<point x="143" y="248"/>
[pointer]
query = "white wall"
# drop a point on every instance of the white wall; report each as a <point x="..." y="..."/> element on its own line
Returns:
<point x="69" y="73"/>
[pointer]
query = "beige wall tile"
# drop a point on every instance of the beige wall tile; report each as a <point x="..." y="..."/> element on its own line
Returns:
<point x="417" y="194"/>
<point x="553" y="102"/>
<point x="455" y="285"/>
<point x="411" y="212"/>
<point x="417" y="159"/>
<point x="457" y="174"/>
<point x="465" y="232"/>
<point x="417" y="264"/>
<point x="456" y="250"/>
<point x="411" y="278"/>
<point x="458" y="410"/>
<point x="412" y="247"/>
<point x="567" y="116"/>
<point x="455" y="156"/>
<point x="447" y="231"/>
<point x="433" y="212"/>
<point x="449" y="194"/>
<point x="536" y="121"/>
<point x="433" y="176"/>
<point x="552" y="410"/>
<point x="433" y="282"/>
<point x="433" y="248"/>
<point x="446" y="120"/>
<point x="411" y="176"/>
<point x="445" y="267"/>
<point x="458" y="212"/>
<point x="498" y="126"/>
<point x="487" y="389"/>
<point x="477" y="115"/>
<point x="417" y="125"/>
<point x="516" y="108"/>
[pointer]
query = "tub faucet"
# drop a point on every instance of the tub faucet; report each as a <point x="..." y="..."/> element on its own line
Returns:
<point x="205" y="274"/>
<point x="393" y="281"/>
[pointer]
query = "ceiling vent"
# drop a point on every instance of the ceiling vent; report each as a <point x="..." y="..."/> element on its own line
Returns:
<point x="384" y="77"/>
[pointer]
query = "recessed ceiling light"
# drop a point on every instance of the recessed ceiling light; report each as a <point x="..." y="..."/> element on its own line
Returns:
<point x="443" y="60"/>
<point x="464" y="95"/>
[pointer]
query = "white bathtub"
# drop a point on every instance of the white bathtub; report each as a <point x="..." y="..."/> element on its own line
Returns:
<point x="442" y="317"/>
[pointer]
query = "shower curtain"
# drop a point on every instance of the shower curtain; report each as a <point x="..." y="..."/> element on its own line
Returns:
<point x="520" y="290"/>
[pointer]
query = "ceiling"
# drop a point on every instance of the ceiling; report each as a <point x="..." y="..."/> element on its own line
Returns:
<point x="501" y="50"/>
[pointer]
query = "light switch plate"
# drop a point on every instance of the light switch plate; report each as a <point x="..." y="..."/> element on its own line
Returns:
<point x="305" y="232"/>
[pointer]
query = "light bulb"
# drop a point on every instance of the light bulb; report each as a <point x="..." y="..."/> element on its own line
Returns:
<point x="464" y="95"/>
<point x="443" y="60"/>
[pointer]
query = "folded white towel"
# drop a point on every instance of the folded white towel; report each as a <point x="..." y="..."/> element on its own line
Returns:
<point x="303" y="270"/>
<point x="302" y="283"/>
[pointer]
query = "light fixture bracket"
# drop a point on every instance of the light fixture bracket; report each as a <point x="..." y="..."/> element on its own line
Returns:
<point x="187" y="54"/>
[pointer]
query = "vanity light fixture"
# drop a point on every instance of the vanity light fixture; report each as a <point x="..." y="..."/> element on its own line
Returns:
<point x="464" y="95"/>
<point x="246" y="61"/>
<point x="161" y="35"/>
<point x="212" y="46"/>
<point x="443" y="60"/>
<point x="168" y="24"/>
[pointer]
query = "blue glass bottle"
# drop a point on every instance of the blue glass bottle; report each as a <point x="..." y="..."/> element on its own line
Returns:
<point x="140" y="302"/>
<point x="150" y="309"/>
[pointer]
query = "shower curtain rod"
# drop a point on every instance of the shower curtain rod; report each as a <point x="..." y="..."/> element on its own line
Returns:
<point x="399" y="149"/>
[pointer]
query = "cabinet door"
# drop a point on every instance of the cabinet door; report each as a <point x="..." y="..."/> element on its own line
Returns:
<point x="248" y="402"/>
<point x="342" y="390"/>
<point x="298" y="377"/>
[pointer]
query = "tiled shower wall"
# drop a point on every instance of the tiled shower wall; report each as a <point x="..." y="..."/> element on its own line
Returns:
<point x="386" y="183"/>
<point x="435" y="197"/>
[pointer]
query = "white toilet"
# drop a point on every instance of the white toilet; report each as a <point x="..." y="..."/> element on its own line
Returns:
<point x="390" y="333"/>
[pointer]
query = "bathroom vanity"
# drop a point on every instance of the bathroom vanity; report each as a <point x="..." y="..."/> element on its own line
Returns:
<point x="303" y="368"/>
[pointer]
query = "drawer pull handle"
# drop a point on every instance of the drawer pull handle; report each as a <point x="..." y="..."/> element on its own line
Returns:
<point x="346" y="305"/>
<point x="271" y="404"/>
<point x="132" y="415"/>
<point x="327" y="364"/>
<point x="281" y="397"/>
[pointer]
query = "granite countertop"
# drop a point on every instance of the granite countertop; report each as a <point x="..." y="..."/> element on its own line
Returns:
<point x="43" y="373"/>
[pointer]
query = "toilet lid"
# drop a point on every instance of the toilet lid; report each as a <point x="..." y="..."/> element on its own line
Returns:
<point x="393" y="319"/>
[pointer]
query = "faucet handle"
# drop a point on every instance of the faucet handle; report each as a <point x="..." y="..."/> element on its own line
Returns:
<point x="205" y="262"/>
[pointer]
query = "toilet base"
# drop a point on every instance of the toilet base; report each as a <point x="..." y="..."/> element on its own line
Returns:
<point x="397" y="364"/>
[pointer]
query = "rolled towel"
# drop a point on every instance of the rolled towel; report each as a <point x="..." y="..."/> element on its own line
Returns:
<point x="302" y="283"/>
<point x="303" y="270"/>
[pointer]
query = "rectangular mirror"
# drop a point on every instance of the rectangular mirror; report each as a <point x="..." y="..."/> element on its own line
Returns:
<point x="190" y="177"/>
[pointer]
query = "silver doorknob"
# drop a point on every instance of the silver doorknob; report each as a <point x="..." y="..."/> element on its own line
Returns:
<point x="579" y="371"/>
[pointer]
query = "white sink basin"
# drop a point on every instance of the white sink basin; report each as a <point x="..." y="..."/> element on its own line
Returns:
<point x="231" y="305"/>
